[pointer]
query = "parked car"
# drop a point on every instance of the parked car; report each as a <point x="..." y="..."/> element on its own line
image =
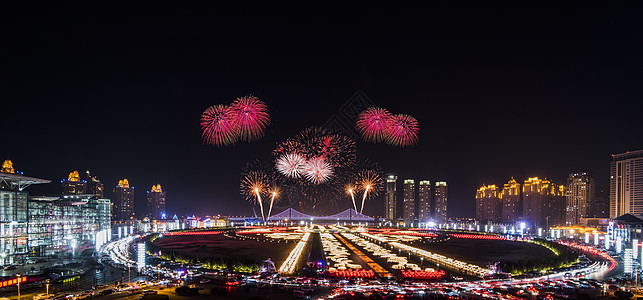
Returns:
<point x="150" y="292"/>
<point x="106" y="292"/>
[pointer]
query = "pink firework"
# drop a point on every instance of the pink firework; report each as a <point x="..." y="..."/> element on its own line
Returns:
<point x="403" y="131"/>
<point x="373" y="124"/>
<point x="317" y="170"/>
<point x="291" y="165"/>
<point x="250" y="117"/>
<point x="217" y="126"/>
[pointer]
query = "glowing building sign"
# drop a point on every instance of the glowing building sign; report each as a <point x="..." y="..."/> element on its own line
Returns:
<point x="627" y="269"/>
<point x="141" y="255"/>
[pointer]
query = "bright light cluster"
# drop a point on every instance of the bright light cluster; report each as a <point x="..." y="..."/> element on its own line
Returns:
<point x="424" y="275"/>
<point x="209" y="232"/>
<point x="397" y="262"/>
<point x="476" y="236"/>
<point x="352" y="273"/>
<point x="118" y="251"/>
<point x="447" y="262"/>
<point x="288" y="267"/>
<point x="337" y="254"/>
<point x="285" y="235"/>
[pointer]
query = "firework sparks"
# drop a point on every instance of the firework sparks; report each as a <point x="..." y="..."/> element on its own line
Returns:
<point x="373" y="124"/>
<point x="250" y="117"/>
<point x="291" y="165"/>
<point x="403" y="131"/>
<point x="317" y="170"/>
<point x="217" y="126"/>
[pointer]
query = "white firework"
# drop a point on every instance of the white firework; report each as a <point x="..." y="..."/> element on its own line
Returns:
<point x="291" y="165"/>
<point x="317" y="170"/>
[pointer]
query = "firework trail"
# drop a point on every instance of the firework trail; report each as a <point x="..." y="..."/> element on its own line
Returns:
<point x="253" y="184"/>
<point x="403" y="131"/>
<point x="291" y="165"/>
<point x="274" y="192"/>
<point x="217" y="126"/>
<point x="250" y="117"/>
<point x="371" y="182"/>
<point x="373" y="124"/>
<point x="350" y="189"/>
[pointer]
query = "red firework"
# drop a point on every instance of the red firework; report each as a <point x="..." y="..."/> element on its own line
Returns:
<point x="217" y="126"/>
<point x="250" y="117"/>
<point x="317" y="170"/>
<point x="373" y="124"/>
<point x="403" y="131"/>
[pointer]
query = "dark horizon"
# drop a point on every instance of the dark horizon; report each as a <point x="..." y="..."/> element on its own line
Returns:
<point x="499" y="91"/>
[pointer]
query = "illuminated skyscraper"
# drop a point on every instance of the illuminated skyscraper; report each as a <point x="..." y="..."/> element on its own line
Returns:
<point x="510" y="199"/>
<point x="488" y="205"/>
<point x="155" y="202"/>
<point x="123" y="201"/>
<point x="391" y="190"/>
<point x="94" y="186"/>
<point x="73" y="185"/>
<point x="409" y="200"/>
<point x="424" y="200"/>
<point x="580" y="196"/>
<point x="626" y="184"/>
<point x="440" y="198"/>
<point x="543" y="203"/>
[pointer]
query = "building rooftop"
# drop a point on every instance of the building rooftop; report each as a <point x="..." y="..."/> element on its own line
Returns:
<point x="13" y="180"/>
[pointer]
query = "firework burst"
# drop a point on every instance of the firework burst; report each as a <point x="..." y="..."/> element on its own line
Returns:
<point x="403" y="131"/>
<point x="291" y="165"/>
<point x="373" y="124"/>
<point x="217" y="126"/>
<point x="317" y="170"/>
<point x="250" y="117"/>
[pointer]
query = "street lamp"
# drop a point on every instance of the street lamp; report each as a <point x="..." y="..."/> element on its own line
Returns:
<point x="18" y="275"/>
<point x="47" y="284"/>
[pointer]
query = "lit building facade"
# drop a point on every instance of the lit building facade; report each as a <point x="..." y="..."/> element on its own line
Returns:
<point x="73" y="185"/>
<point x="391" y="195"/>
<point x="488" y="204"/>
<point x="510" y="199"/>
<point x="409" y="200"/>
<point x="68" y="223"/>
<point x="580" y="196"/>
<point x="13" y="214"/>
<point x="440" y="197"/>
<point x="626" y="184"/>
<point x="156" y="202"/>
<point x="123" y="201"/>
<point x="424" y="200"/>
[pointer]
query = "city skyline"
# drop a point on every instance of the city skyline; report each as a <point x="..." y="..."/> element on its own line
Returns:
<point x="121" y="94"/>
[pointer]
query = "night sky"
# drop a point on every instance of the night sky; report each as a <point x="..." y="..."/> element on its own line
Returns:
<point x="499" y="91"/>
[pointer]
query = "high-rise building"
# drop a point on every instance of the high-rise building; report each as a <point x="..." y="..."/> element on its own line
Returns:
<point x="626" y="184"/>
<point x="580" y="196"/>
<point x="409" y="200"/>
<point x="94" y="186"/>
<point x="440" y="197"/>
<point x="156" y="202"/>
<point x="424" y="200"/>
<point x="601" y="206"/>
<point x="73" y="185"/>
<point x="543" y="203"/>
<point x="391" y="191"/>
<point x="510" y="199"/>
<point x="488" y="205"/>
<point x="123" y="201"/>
